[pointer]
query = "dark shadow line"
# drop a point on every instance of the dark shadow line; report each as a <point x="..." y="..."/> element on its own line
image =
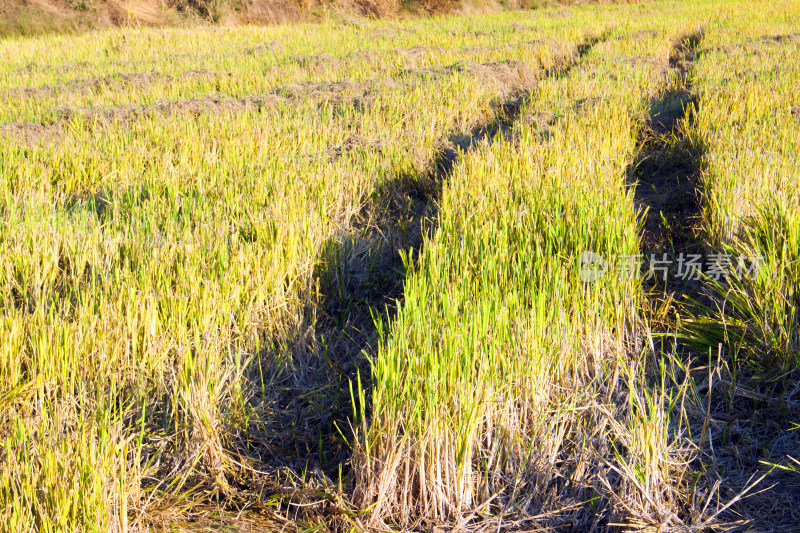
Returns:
<point x="361" y="275"/>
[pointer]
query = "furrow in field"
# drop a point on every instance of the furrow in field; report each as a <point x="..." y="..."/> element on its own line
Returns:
<point x="507" y="113"/>
<point x="501" y="369"/>
<point x="362" y="275"/>
<point x="671" y="173"/>
<point x="666" y="173"/>
<point x="745" y="335"/>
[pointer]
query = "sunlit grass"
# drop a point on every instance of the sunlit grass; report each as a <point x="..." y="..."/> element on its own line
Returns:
<point x="157" y="270"/>
<point x="748" y="118"/>
<point x="179" y="201"/>
<point x="502" y="363"/>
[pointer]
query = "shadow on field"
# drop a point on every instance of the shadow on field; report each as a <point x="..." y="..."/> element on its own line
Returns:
<point x="738" y="422"/>
<point x="361" y="276"/>
<point x="667" y="172"/>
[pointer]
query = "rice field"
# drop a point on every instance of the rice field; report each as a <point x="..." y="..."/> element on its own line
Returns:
<point x="405" y="275"/>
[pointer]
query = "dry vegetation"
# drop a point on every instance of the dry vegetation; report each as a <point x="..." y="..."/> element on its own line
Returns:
<point x="37" y="17"/>
<point x="328" y="277"/>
